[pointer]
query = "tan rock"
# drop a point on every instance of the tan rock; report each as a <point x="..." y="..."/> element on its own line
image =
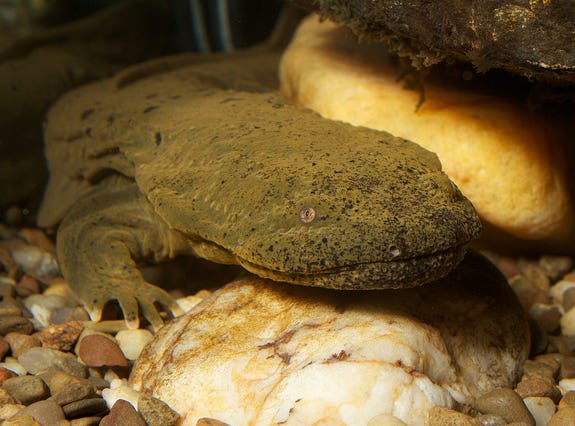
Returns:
<point x="509" y="161"/>
<point x="260" y="352"/>
<point x="441" y="416"/>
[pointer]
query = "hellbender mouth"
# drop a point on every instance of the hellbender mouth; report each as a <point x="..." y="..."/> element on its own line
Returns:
<point x="401" y="273"/>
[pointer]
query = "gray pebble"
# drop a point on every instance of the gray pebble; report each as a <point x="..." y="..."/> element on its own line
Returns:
<point x="44" y="412"/>
<point x="15" y="324"/>
<point x="65" y="388"/>
<point x="491" y="420"/>
<point x="85" y="407"/>
<point x="26" y="389"/>
<point x="70" y="365"/>
<point x="156" y="412"/>
<point x="506" y="403"/>
<point x="37" y="360"/>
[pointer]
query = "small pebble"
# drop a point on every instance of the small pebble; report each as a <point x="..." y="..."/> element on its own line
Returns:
<point x="42" y="306"/>
<point x="20" y="343"/>
<point x="21" y="420"/>
<point x="15" y="324"/>
<point x="123" y="413"/>
<point x="563" y="417"/>
<point x="567" y="370"/>
<point x="527" y="292"/>
<point x="566" y="385"/>
<point x="5" y="397"/>
<point x="86" y="421"/>
<point x="85" y="407"/>
<point x="541" y="408"/>
<point x="4" y="347"/>
<point x="119" y="389"/>
<point x="36" y="360"/>
<point x="442" y="416"/>
<point x="568" y="400"/>
<point x="555" y="266"/>
<point x="12" y="364"/>
<point x="546" y="316"/>
<point x="96" y="350"/>
<point x="557" y="290"/>
<point x="539" y="386"/>
<point x="491" y="420"/>
<point x="27" y="286"/>
<point x="65" y="388"/>
<point x="569" y="298"/>
<point x="26" y="389"/>
<point x="132" y="342"/>
<point x="505" y="403"/>
<point x="6" y="374"/>
<point x="9" y="410"/>
<point x="61" y="337"/>
<point x="568" y="322"/>
<point x="44" y="412"/>
<point x="156" y="412"/>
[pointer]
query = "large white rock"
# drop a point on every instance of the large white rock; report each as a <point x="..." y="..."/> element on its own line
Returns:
<point x="260" y="352"/>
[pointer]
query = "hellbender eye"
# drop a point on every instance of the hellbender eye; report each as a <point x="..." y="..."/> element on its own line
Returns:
<point x="307" y="214"/>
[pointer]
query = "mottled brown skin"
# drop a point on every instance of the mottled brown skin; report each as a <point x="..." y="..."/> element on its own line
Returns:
<point x="157" y="163"/>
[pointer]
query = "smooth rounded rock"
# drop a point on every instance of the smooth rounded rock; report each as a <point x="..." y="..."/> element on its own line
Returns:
<point x="44" y="412"/>
<point x="96" y="350"/>
<point x="85" y="407"/>
<point x="563" y="417"/>
<point x="541" y="408"/>
<point x="506" y="403"/>
<point x="15" y="324"/>
<point x="26" y="389"/>
<point x="36" y="360"/>
<point x="132" y="342"/>
<point x="156" y="412"/>
<point x="441" y="416"/>
<point x="262" y="352"/>
<point x="20" y="343"/>
<point x="123" y="413"/>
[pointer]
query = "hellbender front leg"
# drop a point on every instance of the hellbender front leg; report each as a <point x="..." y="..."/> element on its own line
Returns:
<point x="98" y="243"/>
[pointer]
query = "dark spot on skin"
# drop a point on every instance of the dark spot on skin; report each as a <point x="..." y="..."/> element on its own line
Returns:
<point x="271" y="248"/>
<point x="87" y="113"/>
<point x="159" y="138"/>
<point x="175" y="97"/>
<point x="111" y="119"/>
<point x="152" y="95"/>
<point x="89" y="131"/>
<point x="150" y="108"/>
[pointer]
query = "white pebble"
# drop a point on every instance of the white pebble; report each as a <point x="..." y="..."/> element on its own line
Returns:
<point x="13" y="365"/>
<point x="568" y="322"/>
<point x="132" y="342"/>
<point x="187" y="303"/>
<point x="119" y="389"/>
<point x="566" y="385"/>
<point x="41" y="306"/>
<point x="385" y="420"/>
<point x="35" y="261"/>
<point x="559" y="289"/>
<point x="542" y="408"/>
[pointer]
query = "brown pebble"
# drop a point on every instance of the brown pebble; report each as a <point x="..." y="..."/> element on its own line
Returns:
<point x="4" y="348"/>
<point x="552" y="359"/>
<point x="442" y="416"/>
<point x="540" y="369"/>
<point x="548" y="317"/>
<point x="21" y="420"/>
<point x="96" y="350"/>
<point x="558" y="344"/>
<point x="27" y="286"/>
<point x="563" y="417"/>
<point x="569" y="298"/>
<point x="10" y="308"/>
<point x="156" y="412"/>
<point x="567" y="370"/>
<point x="206" y="421"/>
<point x="13" y="323"/>
<point x="6" y="374"/>
<point x="527" y="292"/>
<point x="85" y="407"/>
<point x="44" y="412"/>
<point x="555" y="266"/>
<point x="65" y="388"/>
<point x="86" y="421"/>
<point x="5" y="397"/>
<point x="123" y="413"/>
<point x="539" y="386"/>
<point x="62" y="336"/>
<point x="568" y="400"/>
<point x="20" y="343"/>
<point x="506" y="403"/>
<point x="26" y="389"/>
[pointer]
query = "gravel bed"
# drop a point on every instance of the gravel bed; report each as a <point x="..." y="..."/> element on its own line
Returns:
<point x="59" y="368"/>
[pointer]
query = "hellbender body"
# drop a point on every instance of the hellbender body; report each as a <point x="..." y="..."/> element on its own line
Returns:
<point x="207" y="159"/>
